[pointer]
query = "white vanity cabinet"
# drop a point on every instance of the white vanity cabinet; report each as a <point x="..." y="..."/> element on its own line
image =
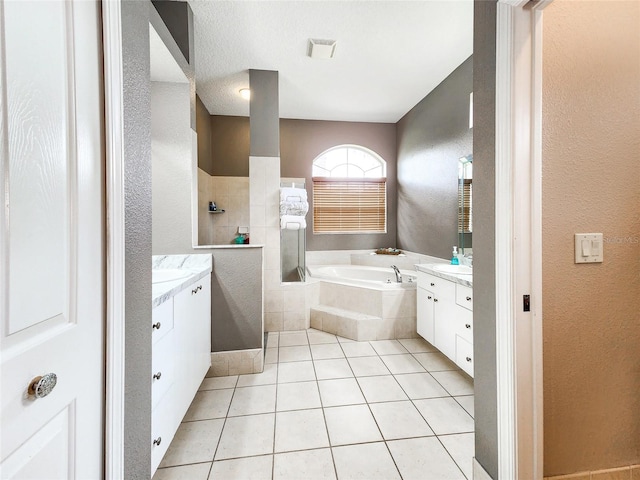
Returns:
<point x="436" y="303"/>
<point x="445" y="318"/>
<point x="464" y="328"/>
<point x="181" y="356"/>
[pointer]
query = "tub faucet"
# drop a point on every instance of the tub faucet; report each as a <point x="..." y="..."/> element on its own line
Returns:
<point x="398" y="274"/>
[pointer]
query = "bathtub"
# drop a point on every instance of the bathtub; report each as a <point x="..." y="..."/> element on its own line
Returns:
<point x="363" y="276"/>
<point x="362" y="302"/>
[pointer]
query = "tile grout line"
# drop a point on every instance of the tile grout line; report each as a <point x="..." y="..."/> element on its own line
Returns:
<point x="324" y="416"/>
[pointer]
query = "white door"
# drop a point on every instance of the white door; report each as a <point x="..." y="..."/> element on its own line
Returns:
<point x="52" y="247"/>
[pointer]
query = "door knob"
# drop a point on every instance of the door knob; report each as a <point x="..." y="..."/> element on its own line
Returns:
<point x="42" y="386"/>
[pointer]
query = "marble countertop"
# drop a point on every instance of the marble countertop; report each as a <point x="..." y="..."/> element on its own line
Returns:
<point x="466" y="280"/>
<point x="198" y="266"/>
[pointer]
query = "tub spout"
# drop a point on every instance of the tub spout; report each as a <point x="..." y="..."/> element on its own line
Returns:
<point x="398" y="274"/>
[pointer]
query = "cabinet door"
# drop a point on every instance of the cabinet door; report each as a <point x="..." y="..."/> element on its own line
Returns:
<point x="445" y="325"/>
<point x="192" y="326"/>
<point x="425" y="323"/>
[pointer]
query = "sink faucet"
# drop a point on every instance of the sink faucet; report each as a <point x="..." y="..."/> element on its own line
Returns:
<point x="398" y="274"/>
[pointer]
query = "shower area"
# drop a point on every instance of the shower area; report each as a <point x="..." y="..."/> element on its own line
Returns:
<point x="294" y="206"/>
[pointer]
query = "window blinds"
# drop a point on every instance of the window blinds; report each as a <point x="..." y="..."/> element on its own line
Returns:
<point x="349" y="205"/>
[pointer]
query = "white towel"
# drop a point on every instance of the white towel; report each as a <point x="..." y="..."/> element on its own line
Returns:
<point x="288" y="194"/>
<point x="294" y="208"/>
<point x="292" y="222"/>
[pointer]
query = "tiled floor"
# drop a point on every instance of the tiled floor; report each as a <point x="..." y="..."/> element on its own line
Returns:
<point x="330" y="408"/>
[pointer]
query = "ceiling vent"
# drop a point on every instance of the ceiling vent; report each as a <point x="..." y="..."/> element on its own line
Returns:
<point x="322" y="49"/>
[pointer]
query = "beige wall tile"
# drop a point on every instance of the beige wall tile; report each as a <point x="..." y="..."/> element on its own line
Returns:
<point x="273" y="322"/>
<point x="572" y="476"/>
<point x="635" y="472"/>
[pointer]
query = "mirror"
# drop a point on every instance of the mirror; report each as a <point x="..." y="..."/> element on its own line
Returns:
<point x="465" y="196"/>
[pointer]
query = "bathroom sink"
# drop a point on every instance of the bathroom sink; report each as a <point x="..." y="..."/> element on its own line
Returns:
<point x="455" y="269"/>
<point x="162" y="275"/>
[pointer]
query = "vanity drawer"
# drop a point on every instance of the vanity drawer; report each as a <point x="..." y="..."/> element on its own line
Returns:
<point x="437" y="285"/>
<point x="464" y="323"/>
<point x="464" y="296"/>
<point x="162" y="319"/>
<point x="162" y="370"/>
<point x="163" y="429"/>
<point x="464" y="355"/>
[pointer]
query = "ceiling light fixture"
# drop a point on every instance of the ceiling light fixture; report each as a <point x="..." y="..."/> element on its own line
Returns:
<point x="245" y="93"/>
<point x="321" y="49"/>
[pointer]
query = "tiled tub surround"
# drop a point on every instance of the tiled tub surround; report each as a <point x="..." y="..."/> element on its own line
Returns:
<point x="199" y="266"/>
<point x="327" y="407"/>
<point x="379" y="311"/>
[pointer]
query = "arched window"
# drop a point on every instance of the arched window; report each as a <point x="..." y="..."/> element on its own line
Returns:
<point x="349" y="191"/>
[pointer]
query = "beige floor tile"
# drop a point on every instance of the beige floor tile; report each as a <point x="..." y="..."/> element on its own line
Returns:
<point x="368" y="366"/>
<point x="462" y="448"/>
<point x="444" y="415"/>
<point x="351" y="424"/>
<point x="435" y="362"/>
<point x="344" y="340"/>
<point x="388" y="347"/>
<point x="209" y="404"/>
<point x="297" y="396"/>
<point x="217" y="383"/>
<point x="381" y="389"/>
<point x="271" y="356"/>
<point x="317" y="337"/>
<point x="423" y="458"/>
<point x="467" y="404"/>
<point x="307" y="465"/>
<point x="455" y="382"/>
<point x="249" y="468"/>
<point x="247" y="436"/>
<point x="294" y="354"/>
<point x="296" y="372"/>
<point x="402" y="363"/>
<point x="343" y="391"/>
<point x="267" y="377"/>
<point x="194" y="442"/>
<point x="300" y="430"/>
<point x="253" y="400"/>
<point x="326" y="350"/>
<point x="289" y="339"/>
<point x="358" y="349"/>
<point x="399" y="420"/>
<point x="417" y="345"/>
<point x="370" y="461"/>
<point x="420" y="385"/>
<point x="333" y="368"/>
<point x="197" y="471"/>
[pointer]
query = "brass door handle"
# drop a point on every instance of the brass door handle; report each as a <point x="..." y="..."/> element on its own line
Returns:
<point x="42" y="386"/>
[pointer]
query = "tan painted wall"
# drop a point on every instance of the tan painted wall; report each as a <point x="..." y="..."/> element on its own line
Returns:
<point x="591" y="183"/>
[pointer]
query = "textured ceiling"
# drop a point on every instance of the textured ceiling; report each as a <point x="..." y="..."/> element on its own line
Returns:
<point x="389" y="54"/>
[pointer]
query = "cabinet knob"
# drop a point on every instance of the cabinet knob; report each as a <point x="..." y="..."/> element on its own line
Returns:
<point x="157" y="376"/>
<point x="429" y="297"/>
<point x="435" y="299"/>
<point x="157" y="441"/>
<point x="42" y="386"/>
<point x="157" y="325"/>
<point x="469" y="359"/>
<point x="468" y="299"/>
<point x="467" y="325"/>
<point x="433" y="284"/>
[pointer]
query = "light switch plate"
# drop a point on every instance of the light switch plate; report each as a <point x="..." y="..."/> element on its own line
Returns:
<point x="589" y="248"/>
